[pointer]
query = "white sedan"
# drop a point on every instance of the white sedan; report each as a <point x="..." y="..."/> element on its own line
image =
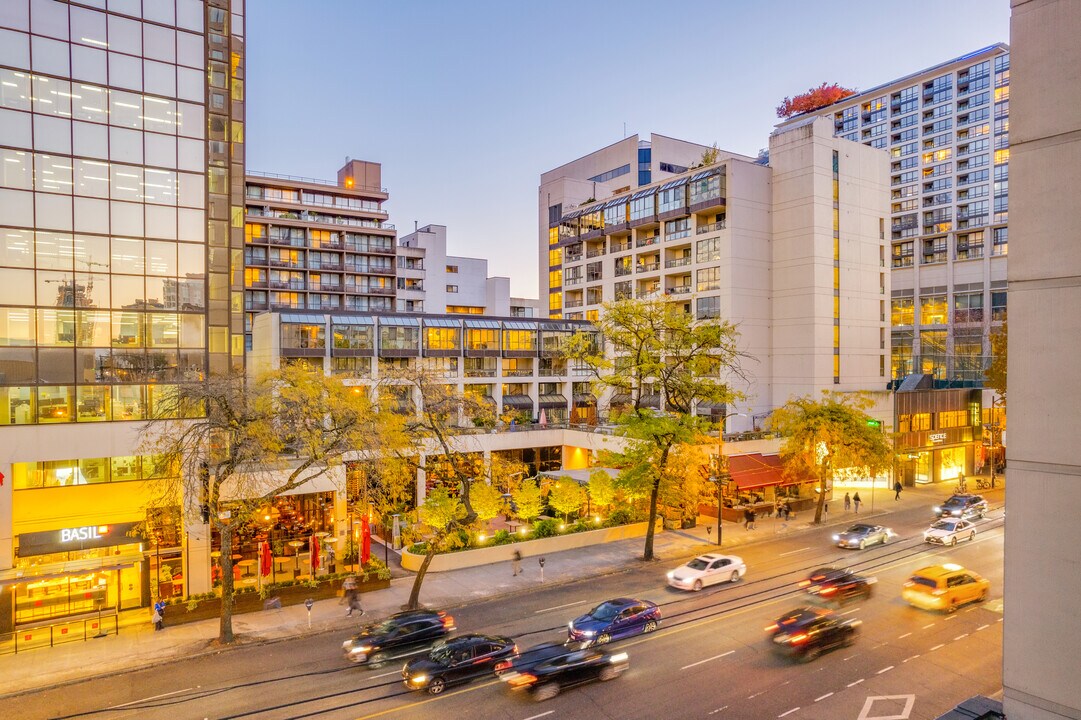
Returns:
<point x="948" y="531"/>
<point x="707" y="570"/>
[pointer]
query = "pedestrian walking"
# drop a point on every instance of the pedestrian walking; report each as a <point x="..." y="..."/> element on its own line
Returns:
<point x="159" y="615"/>
<point x="848" y="502"/>
<point x="747" y="515"/>
<point x="787" y="511"/>
<point x="961" y="483"/>
<point x="352" y="601"/>
<point x="516" y="563"/>
<point x="856" y="501"/>
<point x="897" y="490"/>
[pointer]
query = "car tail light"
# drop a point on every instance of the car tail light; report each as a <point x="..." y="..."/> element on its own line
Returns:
<point x="773" y="628"/>
<point x="514" y="649"/>
<point x="501" y="666"/>
<point x="448" y="620"/>
<point x="522" y="679"/>
<point x="827" y="591"/>
<point x="804" y="583"/>
<point x="797" y="639"/>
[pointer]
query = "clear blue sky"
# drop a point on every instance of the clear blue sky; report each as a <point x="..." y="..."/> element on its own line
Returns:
<point x="466" y="103"/>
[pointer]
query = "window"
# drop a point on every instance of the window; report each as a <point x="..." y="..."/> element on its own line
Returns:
<point x="708" y="308"/>
<point x="706" y="189"/>
<point x="999" y="242"/>
<point x="673" y="199"/>
<point x="933" y="310"/>
<point x="670" y="168"/>
<point x="675" y="229"/>
<point x="452" y="288"/>
<point x="970" y="246"/>
<point x="439" y="338"/>
<point x="998" y="305"/>
<point x="902" y="254"/>
<point x="611" y="174"/>
<point x="520" y="340"/>
<point x="353" y="337"/>
<point x="934" y="250"/>
<point x="644" y="207"/>
<point x="709" y="279"/>
<point x="968" y="307"/>
<point x="708" y="250"/>
<point x="452" y="269"/>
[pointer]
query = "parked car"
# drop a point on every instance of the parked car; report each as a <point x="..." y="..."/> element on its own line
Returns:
<point x="944" y="587"/>
<point x="546" y="670"/>
<point x="456" y="660"/>
<point x="837" y="585"/>
<point x="707" y="570"/>
<point x="809" y="637"/>
<point x="948" y="531"/>
<point x="402" y="634"/>
<point x="613" y="620"/>
<point x="861" y="535"/>
<point x="963" y="505"/>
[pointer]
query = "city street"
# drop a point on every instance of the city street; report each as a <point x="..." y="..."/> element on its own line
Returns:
<point x="709" y="659"/>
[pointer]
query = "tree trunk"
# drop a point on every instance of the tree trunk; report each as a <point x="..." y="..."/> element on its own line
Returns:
<point x="824" y="473"/>
<point x="414" y="594"/>
<point x="225" y="632"/>
<point x="647" y="553"/>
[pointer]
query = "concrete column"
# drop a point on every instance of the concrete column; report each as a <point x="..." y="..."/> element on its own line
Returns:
<point x="422" y="489"/>
<point x="197" y="558"/>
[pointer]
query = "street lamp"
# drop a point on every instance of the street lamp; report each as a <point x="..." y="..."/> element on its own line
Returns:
<point x="721" y="471"/>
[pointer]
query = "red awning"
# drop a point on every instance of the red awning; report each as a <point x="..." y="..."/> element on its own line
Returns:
<point x="755" y="470"/>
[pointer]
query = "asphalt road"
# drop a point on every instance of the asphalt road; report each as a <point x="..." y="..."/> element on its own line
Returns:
<point x="710" y="659"/>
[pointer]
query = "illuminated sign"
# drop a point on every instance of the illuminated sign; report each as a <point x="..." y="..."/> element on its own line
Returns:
<point x="938" y="437"/>
<point x="82" y="534"/>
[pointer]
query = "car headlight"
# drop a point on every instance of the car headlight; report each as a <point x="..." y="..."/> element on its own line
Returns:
<point x="671" y="574"/>
<point x="836" y="538"/>
<point x="347" y="644"/>
<point x="588" y="633"/>
<point x="418" y="679"/>
<point x="936" y="509"/>
<point x="361" y="649"/>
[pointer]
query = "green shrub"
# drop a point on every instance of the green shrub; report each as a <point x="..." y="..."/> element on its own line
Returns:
<point x="420" y="548"/>
<point x="545" y="528"/>
<point x="619" y="517"/>
<point x="502" y="537"/>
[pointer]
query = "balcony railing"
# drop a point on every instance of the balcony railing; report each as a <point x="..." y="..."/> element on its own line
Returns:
<point x="622" y="271"/>
<point x="702" y="229"/>
<point x="595" y="253"/>
<point x="518" y="373"/>
<point x="653" y="240"/>
<point x="572" y="280"/>
<point x="649" y="267"/>
<point x="679" y="290"/>
<point x="620" y="247"/>
<point x="573" y="303"/>
<point x="678" y="262"/>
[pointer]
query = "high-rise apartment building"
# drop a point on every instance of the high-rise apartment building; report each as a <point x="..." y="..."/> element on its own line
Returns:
<point x="316" y="245"/>
<point x="121" y="213"/>
<point x="946" y="129"/>
<point x="793" y="252"/>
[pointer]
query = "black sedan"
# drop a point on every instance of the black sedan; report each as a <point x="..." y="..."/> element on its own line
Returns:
<point x="861" y="535"/>
<point x="457" y="660"/>
<point x="546" y="670"/>
<point x="836" y="585"/>
<point x="405" y="633"/>
<point x="963" y="505"/>
<point x="814" y="635"/>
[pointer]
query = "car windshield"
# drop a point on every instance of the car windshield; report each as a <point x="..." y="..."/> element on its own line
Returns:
<point x="956" y="502"/>
<point x="698" y="564"/>
<point x="945" y="525"/>
<point x="606" y="611"/>
<point x="927" y="582"/>
<point x="860" y="529"/>
<point x="386" y="626"/>
<point x="442" y="653"/>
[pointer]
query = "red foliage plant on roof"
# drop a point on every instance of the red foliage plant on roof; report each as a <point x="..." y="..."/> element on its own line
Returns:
<point x="813" y="99"/>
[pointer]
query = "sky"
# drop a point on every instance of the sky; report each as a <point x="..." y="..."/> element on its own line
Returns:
<point x="466" y="102"/>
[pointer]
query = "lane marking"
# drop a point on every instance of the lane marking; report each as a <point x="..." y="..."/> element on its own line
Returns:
<point x="559" y="607"/>
<point x="950" y="617"/>
<point x="885" y="669"/>
<point x="928" y="626"/>
<point x="983" y="627"/>
<point x="910" y="658"/>
<point x="902" y="637"/>
<point x="936" y="647"/>
<point x="714" y="712"/>
<point x="147" y="699"/>
<point x="823" y="697"/>
<point x="376" y="677"/>
<point x="543" y="714"/>
<point x="962" y="635"/>
<point x="849" y="612"/>
<point x="853" y="684"/>
<point x="788" y="713"/>
<point x="702" y="662"/>
<point x="793" y="552"/>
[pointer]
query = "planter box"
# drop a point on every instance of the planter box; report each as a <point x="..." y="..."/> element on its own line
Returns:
<point x="251" y="602"/>
<point x="544" y="546"/>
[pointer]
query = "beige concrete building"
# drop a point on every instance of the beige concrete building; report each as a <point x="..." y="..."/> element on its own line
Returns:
<point x="793" y="252"/>
<point x="1042" y="636"/>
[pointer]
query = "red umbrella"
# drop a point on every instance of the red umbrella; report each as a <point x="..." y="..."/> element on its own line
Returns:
<point x="266" y="563"/>
<point x="314" y="547"/>
<point x="365" y="542"/>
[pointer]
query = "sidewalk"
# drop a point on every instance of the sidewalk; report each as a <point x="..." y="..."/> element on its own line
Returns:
<point x="138" y="646"/>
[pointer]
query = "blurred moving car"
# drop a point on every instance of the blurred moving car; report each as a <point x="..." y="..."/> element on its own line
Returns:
<point x="546" y="670"/>
<point x="613" y="620"/>
<point x="837" y="585"/>
<point x="707" y="570"/>
<point x="401" y="634"/>
<point x="963" y="505"/>
<point x="944" y="587"/>
<point x="861" y="535"/>
<point x="457" y="660"/>
<point x="811" y="635"/>
<point x="796" y="617"/>
<point x="948" y="531"/>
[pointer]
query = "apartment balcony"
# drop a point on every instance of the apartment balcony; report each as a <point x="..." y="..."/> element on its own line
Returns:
<point x="287" y="264"/>
<point x="569" y="258"/>
<point x="678" y="262"/>
<point x="517" y="373"/>
<point x="572" y="280"/>
<point x="482" y="373"/>
<point x="366" y="290"/>
<point x="256" y="284"/>
<point x="678" y="235"/>
<point x="595" y="253"/>
<point x="591" y="234"/>
<point x="678" y="290"/>
<point x="288" y="285"/>
<point x="654" y="240"/>
<point x="287" y="306"/>
<point x="703" y="229"/>
<point x="326" y="287"/>
<point x="623" y="271"/>
<point x="594" y="277"/>
<point x="648" y="267"/>
<point x="573" y="303"/>
<point x="620" y="247"/>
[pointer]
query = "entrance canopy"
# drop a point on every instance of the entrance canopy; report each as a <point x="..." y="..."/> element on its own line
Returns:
<point x="755" y="470"/>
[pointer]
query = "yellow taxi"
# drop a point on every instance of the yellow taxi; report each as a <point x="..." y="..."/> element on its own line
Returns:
<point x="944" y="587"/>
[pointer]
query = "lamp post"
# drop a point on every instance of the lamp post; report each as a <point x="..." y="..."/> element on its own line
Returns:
<point x="721" y="470"/>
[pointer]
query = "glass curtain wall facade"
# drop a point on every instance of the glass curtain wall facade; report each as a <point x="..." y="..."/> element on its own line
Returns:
<point x="121" y="211"/>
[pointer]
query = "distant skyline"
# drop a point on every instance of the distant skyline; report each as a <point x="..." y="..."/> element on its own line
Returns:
<point x="465" y="104"/>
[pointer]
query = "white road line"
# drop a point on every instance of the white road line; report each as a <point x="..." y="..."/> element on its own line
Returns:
<point x="793" y="552"/>
<point x="853" y="684"/>
<point x="983" y="627"/>
<point x="543" y="714"/>
<point x="147" y="699"/>
<point x="851" y="656"/>
<point x="962" y="635"/>
<point x="714" y="712"/>
<point x="936" y="647"/>
<point x="823" y="697"/>
<point x="902" y="637"/>
<point x="950" y="617"/>
<point x="910" y="658"/>
<point x="788" y="712"/>
<point x="927" y="626"/>
<point x="885" y="669"/>
<point x="853" y="610"/>
<point x="702" y="662"/>
<point x="376" y="677"/>
<point x="558" y="607"/>
<point x="752" y="697"/>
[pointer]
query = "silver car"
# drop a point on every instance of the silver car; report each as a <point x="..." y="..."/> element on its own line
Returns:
<point x="862" y="535"/>
<point x="948" y="531"/>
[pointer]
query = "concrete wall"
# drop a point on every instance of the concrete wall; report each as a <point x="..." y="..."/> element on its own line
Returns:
<point x="1041" y="635"/>
<point x="528" y="548"/>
